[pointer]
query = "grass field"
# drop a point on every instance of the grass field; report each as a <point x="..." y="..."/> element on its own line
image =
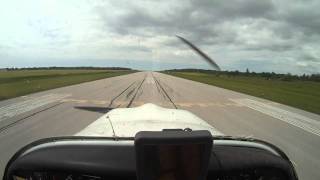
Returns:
<point x="22" y="82"/>
<point x="301" y="94"/>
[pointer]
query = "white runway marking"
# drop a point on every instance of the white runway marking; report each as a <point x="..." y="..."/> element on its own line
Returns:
<point x="15" y="109"/>
<point x="305" y="123"/>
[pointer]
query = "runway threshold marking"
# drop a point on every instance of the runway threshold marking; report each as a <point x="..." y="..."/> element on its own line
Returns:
<point x="3" y="128"/>
<point x="15" y="109"/>
<point x="295" y="119"/>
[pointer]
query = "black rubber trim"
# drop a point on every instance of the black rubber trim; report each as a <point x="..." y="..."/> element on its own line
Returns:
<point x="86" y="138"/>
<point x="54" y="139"/>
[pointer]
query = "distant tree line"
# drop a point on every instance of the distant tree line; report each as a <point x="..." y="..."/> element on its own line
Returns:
<point x="66" y="68"/>
<point x="266" y="75"/>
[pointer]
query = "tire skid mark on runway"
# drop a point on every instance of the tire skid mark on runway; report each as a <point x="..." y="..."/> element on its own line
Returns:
<point x="303" y="122"/>
<point x="112" y="101"/>
<point x="131" y="91"/>
<point x="136" y="92"/>
<point x="160" y="90"/>
<point x="117" y="101"/>
<point x="163" y="90"/>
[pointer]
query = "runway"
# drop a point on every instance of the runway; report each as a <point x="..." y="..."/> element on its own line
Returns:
<point x="68" y="110"/>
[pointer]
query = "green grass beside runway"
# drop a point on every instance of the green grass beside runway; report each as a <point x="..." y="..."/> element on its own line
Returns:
<point x="300" y="94"/>
<point x="22" y="82"/>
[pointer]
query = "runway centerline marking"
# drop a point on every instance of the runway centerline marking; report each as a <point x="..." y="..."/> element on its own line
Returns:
<point x="295" y="119"/>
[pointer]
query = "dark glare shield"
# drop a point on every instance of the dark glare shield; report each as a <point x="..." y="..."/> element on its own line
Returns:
<point x="181" y="157"/>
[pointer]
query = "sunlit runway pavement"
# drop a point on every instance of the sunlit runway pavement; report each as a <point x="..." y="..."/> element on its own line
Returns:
<point x="66" y="111"/>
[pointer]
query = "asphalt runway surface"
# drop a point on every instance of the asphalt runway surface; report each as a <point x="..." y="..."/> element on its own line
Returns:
<point x="68" y="110"/>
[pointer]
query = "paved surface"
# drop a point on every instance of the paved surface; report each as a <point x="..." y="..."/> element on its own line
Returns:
<point x="66" y="111"/>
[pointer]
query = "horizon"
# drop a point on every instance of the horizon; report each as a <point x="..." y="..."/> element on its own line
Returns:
<point x="145" y="70"/>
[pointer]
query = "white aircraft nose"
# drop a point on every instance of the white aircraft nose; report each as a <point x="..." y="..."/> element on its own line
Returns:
<point x="126" y="122"/>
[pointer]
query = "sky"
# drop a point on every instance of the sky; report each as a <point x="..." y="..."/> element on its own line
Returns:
<point x="280" y="36"/>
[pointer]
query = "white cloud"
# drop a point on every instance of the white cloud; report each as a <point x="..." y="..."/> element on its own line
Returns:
<point x="280" y="35"/>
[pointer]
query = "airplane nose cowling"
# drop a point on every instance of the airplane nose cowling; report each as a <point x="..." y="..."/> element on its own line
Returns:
<point x="126" y="122"/>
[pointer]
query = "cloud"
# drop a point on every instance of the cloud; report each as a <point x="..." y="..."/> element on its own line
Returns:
<point x="200" y="20"/>
<point x="277" y="34"/>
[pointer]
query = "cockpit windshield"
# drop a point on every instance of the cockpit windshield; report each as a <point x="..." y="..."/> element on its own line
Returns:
<point x="248" y="69"/>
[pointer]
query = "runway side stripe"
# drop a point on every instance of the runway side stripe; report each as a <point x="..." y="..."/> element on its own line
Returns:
<point x="305" y="123"/>
<point x="15" y="109"/>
